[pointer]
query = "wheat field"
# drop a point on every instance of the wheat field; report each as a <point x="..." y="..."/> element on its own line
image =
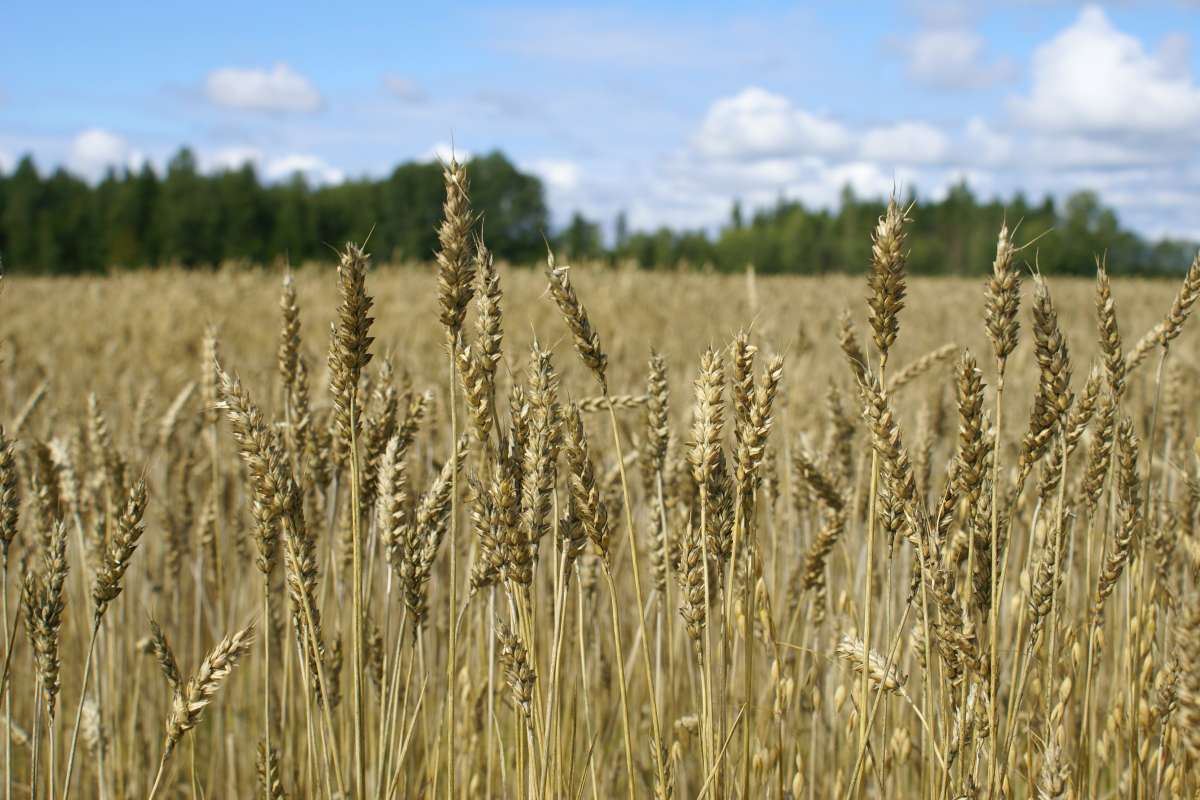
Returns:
<point x="481" y="530"/>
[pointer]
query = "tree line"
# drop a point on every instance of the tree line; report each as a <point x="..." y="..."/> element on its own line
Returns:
<point x="953" y="235"/>
<point x="59" y="223"/>
<point x="56" y="222"/>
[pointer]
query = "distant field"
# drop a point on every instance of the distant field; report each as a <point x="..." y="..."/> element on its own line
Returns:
<point x="759" y="542"/>
<point x="146" y="327"/>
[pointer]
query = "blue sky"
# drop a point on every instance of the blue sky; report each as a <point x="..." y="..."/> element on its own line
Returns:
<point x="666" y="110"/>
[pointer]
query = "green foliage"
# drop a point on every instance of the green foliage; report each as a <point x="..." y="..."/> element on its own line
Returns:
<point x="954" y="235"/>
<point x="581" y="239"/>
<point x="58" y="223"/>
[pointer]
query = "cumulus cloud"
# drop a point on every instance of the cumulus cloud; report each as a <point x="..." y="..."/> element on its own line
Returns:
<point x="279" y="89"/>
<point x="229" y="158"/>
<point x="692" y="191"/>
<point x="569" y="189"/>
<point x="1101" y="109"/>
<point x="272" y="168"/>
<point x="758" y="146"/>
<point x="1094" y="79"/>
<point x="559" y="174"/>
<point x="443" y="151"/>
<point x="984" y="144"/>
<point x="863" y="177"/>
<point x="952" y="57"/>
<point x="95" y="150"/>
<point x="1096" y="97"/>
<point x="313" y="168"/>
<point x="756" y="124"/>
<point x="1074" y="152"/>
<point x="906" y="143"/>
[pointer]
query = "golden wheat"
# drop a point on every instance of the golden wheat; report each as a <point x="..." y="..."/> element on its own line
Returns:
<point x="1005" y="586"/>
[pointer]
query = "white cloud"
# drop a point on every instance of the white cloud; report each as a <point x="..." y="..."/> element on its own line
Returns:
<point x="1094" y="79"/>
<point x="313" y="168"/>
<point x="691" y="190"/>
<point x="757" y="146"/>
<point x="865" y="178"/>
<point x="905" y="143"/>
<point x="230" y="158"/>
<point x="444" y="151"/>
<point x="6" y="162"/>
<point x="756" y="124"/>
<point x="986" y="145"/>
<point x="568" y="189"/>
<point x="1069" y="151"/>
<point x="559" y="174"/>
<point x="279" y="89"/>
<point x="95" y="150"/>
<point x="952" y="58"/>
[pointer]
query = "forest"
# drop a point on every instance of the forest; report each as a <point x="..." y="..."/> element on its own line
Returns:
<point x="54" y="222"/>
